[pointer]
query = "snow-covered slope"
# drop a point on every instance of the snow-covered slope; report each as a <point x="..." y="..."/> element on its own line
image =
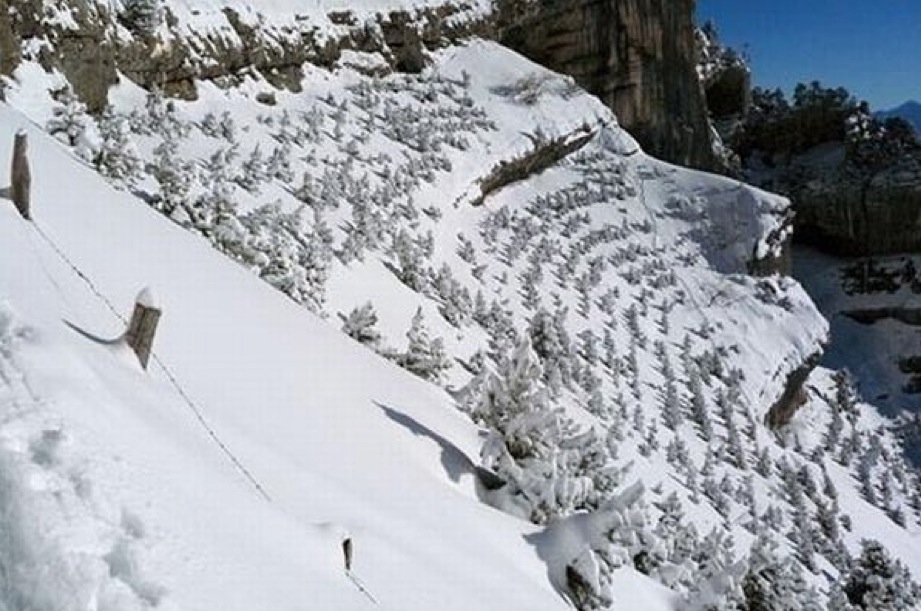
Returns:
<point x="873" y="318"/>
<point x="542" y="263"/>
<point x="117" y="493"/>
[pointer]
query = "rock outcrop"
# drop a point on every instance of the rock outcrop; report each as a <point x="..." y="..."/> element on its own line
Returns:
<point x="92" y="45"/>
<point x="834" y="220"/>
<point x="794" y="394"/>
<point x="638" y="56"/>
<point x="544" y="154"/>
<point x="838" y="214"/>
<point x="777" y="257"/>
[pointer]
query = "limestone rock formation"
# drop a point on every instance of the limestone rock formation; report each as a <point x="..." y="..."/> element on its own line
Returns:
<point x="830" y="210"/>
<point x="92" y="45"/>
<point x="638" y="56"/>
<point x="833" y="218"/>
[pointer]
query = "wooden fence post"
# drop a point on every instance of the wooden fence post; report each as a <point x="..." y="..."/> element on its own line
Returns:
<point x="20" y="176"/>
<point x="143" y="326"/>
<point x="347" y="553"/>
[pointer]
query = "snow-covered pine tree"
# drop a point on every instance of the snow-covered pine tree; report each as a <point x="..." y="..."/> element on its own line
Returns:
<point x="254" y="172"/>
<point x="551" y="343"/>
<point x="116" y="158"/>
<point x="173" y="175"/>
<point x="879" y="583"/>
<point x="142" y="17"/>
<point x="532" y="443"/>
<point x="411" y="268"/>
<point x="360" y="325"/>
<point x="70" y="122"/>
<point x="773" y="583"/>
<point x="424" y="356"/>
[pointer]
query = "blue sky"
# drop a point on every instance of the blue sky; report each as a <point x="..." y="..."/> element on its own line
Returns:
<point x="871" y="48"/>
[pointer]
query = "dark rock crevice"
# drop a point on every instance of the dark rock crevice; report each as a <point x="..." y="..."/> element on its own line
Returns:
<point x="794" y="394"/>
<point x="833" y="220"/>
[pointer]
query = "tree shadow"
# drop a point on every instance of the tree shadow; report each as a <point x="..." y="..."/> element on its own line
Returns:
<point x="456" y="464"/>
<point x="95" y="338"/>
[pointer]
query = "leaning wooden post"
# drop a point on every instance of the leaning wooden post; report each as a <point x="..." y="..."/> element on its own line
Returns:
<point x="143" y="326"/>
<point x="21" y="177"/>
<point x="347" y="553"/>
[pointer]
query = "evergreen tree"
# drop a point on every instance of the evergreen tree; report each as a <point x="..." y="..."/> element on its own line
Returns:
<point x="411" y="270"/>
<point x="775" y="584"/>
<point x="116" y="157"/>
<point x="523" y="449"/>
<point x="879" y="583"/>
<point x="70" y="122"/>
<point x="360" y="325"/>
<point x="424" y="356"/>
<point x="173" y="175"/>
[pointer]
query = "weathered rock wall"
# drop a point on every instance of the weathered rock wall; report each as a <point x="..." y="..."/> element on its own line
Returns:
<point x="639" y="56"/>
<point x="834" y="220"/>
<point x="839" y="215"/>
<point x="91" y="45"/>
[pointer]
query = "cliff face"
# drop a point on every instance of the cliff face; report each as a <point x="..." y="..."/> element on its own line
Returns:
<point x="837" y="221"/>
<point x="837" y="213"/>
<point x="638" y="56"/>
<point x="90" y="44"/>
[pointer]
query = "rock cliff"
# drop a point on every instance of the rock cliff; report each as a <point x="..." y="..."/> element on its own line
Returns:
<point x="638" y="56"/>
<point x="838" y="214"/>
<point x="834" y="219"/>
<point x="89" y="44"/>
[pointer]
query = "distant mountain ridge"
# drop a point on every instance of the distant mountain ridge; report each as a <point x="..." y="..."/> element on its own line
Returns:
<point x="910" y="111"/>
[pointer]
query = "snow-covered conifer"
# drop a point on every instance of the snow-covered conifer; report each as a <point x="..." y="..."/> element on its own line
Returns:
<point x="174" y="176"/>
<point x="773" y="583"/>
<point x="70" y="122"/>
<point x="116" y="158"/>
<point x="424" y="356"/>
<point x="360" y="325"/>
<point x="254" y="172"/>
<point x="411" y="270"/>
<point x="880" y="583"/>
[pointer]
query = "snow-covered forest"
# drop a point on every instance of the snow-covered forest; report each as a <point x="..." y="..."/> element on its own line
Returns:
<point x="458" y="319"/>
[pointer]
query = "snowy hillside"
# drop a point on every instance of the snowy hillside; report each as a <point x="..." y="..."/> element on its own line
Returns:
<point x="594" y="362"/>
<point x="115" y="493"/>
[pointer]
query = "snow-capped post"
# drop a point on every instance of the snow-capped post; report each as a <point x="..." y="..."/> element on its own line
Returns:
<point x="143" y="326"/>
<point x="20" y="176"/>
<point x="347" y="552"/>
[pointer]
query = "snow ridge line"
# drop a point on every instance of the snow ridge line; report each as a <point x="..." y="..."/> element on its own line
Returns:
<point x="199" y="416"/>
